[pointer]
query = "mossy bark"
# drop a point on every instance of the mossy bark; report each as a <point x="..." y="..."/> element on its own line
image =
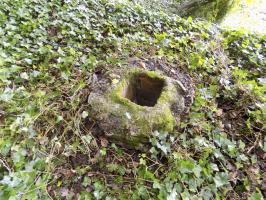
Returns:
<point x="212" y="10"/>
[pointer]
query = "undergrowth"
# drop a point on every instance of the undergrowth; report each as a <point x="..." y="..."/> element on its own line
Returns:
<point x="50" y="56"/>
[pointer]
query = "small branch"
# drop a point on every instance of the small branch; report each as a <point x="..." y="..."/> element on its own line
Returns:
<point x="5" y="164"/>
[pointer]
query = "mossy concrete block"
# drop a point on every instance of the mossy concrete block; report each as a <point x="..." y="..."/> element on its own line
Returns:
<point x="143" y="101"/>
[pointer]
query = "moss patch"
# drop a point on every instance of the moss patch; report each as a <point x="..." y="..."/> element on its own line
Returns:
<point x="139" y="104"/>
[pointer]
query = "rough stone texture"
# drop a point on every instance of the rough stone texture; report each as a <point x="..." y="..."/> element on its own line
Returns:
<point x="136" y="105"/>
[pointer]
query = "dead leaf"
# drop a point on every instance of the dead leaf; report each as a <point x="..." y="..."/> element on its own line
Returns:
<point x="67" y="173"/>
<point x="219" y="112"/>
<point x="94" y="79"/>
<point x="63" y="192"/>
<point x="104" y="142"/>
<point x="142" y="64"/>
<point x="253" y="173"/>
<point x="93" y="145"/>
<point x="233" y="176"/>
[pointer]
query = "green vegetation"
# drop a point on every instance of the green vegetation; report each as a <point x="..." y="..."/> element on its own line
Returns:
<point x="212" y="10"/>
<point x="50" y="55"/>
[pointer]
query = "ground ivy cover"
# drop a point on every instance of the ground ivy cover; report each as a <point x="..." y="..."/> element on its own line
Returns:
<point x="51" y="53"/>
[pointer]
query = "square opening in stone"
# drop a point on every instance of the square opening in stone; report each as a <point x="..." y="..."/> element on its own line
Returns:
<point x="144" y="90"/>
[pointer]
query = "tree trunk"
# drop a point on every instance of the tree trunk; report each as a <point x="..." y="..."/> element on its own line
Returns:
<point x="213" y="10"/>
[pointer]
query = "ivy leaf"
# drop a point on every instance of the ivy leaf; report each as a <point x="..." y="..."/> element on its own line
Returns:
<point x="156" y="185"/>
<point x="186" y="166"/>
<point x="189" y="19"/>
<point x="256" y="196"/>
<point x="220" y="179"/>
<point x="172" y="195"/>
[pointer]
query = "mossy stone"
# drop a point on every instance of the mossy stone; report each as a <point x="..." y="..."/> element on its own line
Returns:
<point x="129" y="111"/>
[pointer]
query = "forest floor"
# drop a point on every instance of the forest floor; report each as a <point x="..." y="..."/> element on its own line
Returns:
<point x="53" y="54"/>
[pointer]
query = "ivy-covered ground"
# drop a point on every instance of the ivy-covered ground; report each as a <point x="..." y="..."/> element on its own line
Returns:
<point x="51" y="53"/>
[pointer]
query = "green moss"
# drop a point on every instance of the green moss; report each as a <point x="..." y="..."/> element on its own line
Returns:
<point x="165" y="96"/>
<point x="210" y="10"/>
<point x="129" y="122"/>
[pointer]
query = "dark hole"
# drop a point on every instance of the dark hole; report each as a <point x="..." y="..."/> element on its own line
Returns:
<point x="143" y="90"/>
